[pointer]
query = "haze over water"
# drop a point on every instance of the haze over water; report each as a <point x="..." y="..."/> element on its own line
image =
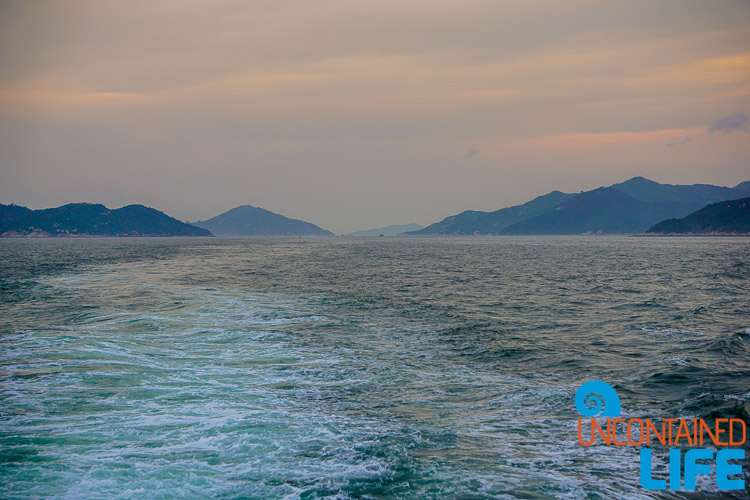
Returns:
<point x="378" y="368"/>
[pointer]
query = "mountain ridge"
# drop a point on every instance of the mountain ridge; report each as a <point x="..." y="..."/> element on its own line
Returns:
<point x="247" y="220"/>
<point x="604" y="210"/>
<point x="627" y="207"/>
<point x="724" y="217"/>
<point x="91" y="219"/>
<point x="486" y="222"/>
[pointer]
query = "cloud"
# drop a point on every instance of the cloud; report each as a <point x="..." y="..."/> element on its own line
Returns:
<point x="682" y="142"/>
<point x="357" y="113"/>
<point x="730" y="123"/>
<point x="603" y="141"/>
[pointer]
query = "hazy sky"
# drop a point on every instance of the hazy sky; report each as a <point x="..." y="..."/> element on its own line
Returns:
<point x="355" y="114"/>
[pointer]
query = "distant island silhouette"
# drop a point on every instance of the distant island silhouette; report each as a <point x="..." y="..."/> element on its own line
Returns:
<point x="91" y="219"/>
<point x="629" y="207"/>
<point x="247" y="220"/>
<point x="635" y="206"/>
<point x="725" y="217"/>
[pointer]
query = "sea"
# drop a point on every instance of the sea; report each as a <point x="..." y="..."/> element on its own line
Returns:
<point x="358" y="368"/>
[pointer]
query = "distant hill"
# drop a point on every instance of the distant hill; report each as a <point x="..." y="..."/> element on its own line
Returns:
<point x="473" y="221"/>
<point x="743" y="186"/>
<point x="247" y="220"/>
<point x="90" y="219"/>
<point x="725" y="217"/>
<point x="627" y="207"/>
<point x="694" y="194"/>
<point x="387" y="230"/>
<point x="602" y="211"/>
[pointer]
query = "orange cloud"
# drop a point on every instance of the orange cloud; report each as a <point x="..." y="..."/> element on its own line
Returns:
<point x="598" y="141"/>
<point x="56" y="95"/>
<point x="718" y="70"/>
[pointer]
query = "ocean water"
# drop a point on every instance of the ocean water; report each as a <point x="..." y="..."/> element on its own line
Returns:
<point x="356" y="368"/>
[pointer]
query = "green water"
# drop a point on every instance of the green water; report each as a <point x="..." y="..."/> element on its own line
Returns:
<point x="161" y="368"/>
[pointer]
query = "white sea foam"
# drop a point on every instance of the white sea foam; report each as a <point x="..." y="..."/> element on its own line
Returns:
<point x="153" y="386"/>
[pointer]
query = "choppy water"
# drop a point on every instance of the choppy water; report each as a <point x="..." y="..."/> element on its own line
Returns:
<point x="155" y="368"/>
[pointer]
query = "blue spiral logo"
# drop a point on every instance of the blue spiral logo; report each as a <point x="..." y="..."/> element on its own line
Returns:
<point x="597" y="398"/>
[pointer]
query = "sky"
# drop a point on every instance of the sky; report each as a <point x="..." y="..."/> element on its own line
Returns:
<point x="359" y="114"/>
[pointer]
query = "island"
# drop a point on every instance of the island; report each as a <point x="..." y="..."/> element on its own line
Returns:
<point x="247" y="220"/>
<point x="724" y="218"/>
<point x="91" y="219"/>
